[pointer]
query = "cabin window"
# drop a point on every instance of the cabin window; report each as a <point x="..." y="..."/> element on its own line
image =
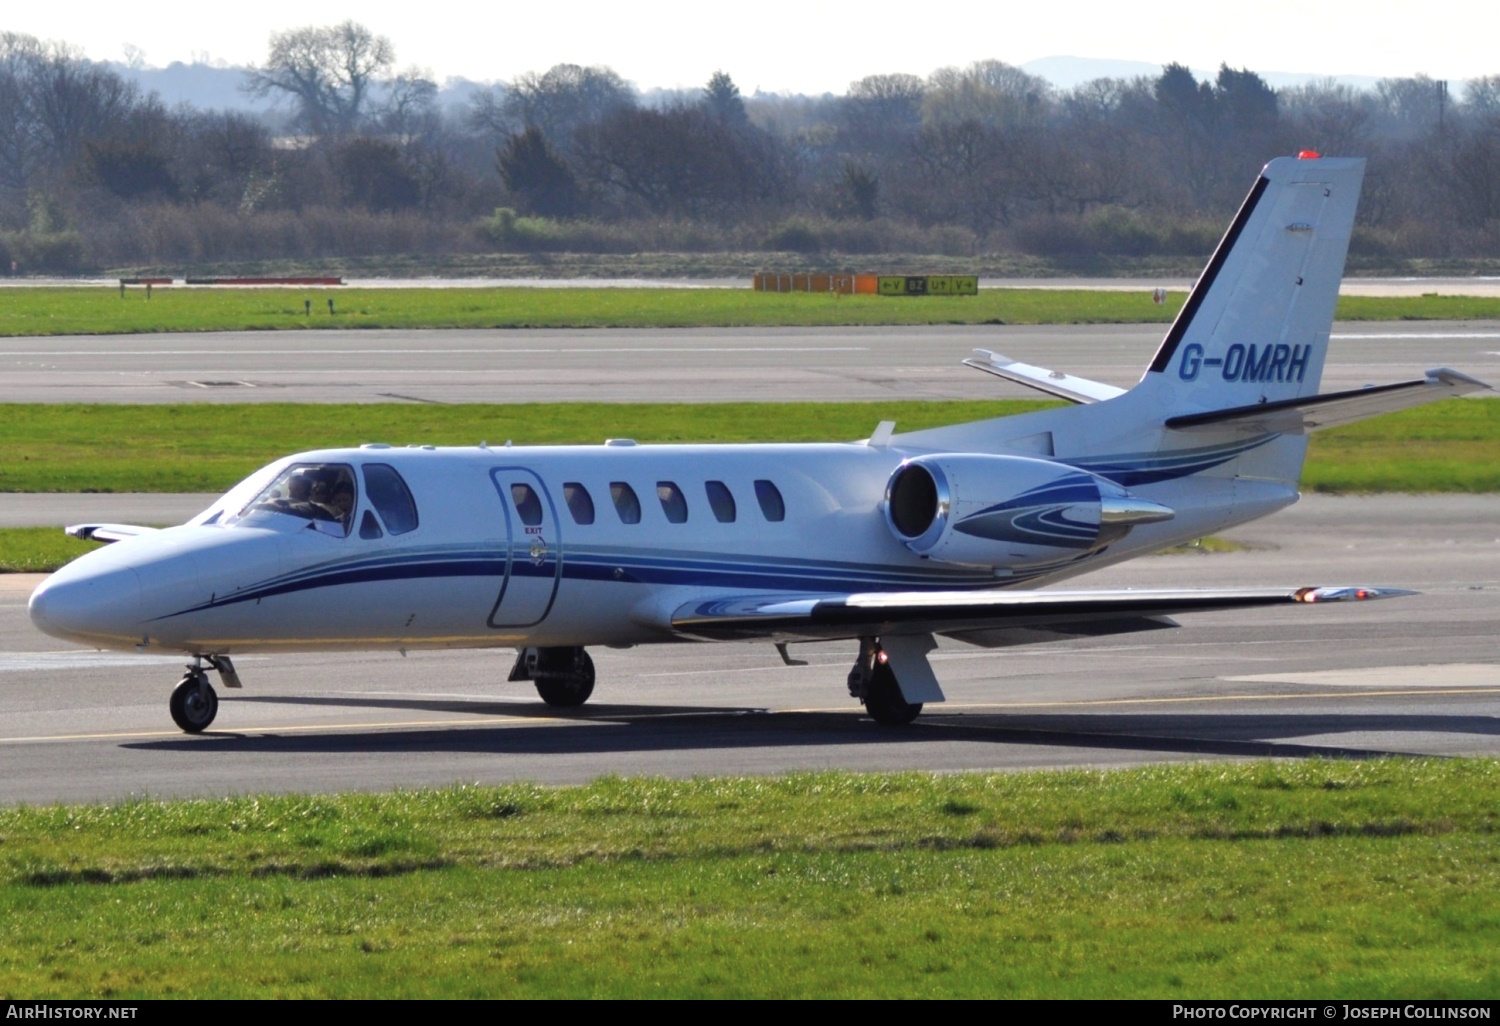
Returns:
<point x="391" y="498"/>
<point x="721" y="501"/>
<point x="320" y="493"/>
<point x="626" y="503"/>
<point x="673" y="502"/>
<point x="527" y="504"/>
<point x="769" y="497"/>
<point x="580" y="502"/>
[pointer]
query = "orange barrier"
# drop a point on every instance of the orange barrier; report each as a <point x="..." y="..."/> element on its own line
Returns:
<point x="839" y="284"/>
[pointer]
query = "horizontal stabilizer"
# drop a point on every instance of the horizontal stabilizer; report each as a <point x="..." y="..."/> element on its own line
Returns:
<point x="106" y="532"/>
<point x="957" y="612"/>
<point x="1316" y="412"/>
<point x="1064" y="386"/>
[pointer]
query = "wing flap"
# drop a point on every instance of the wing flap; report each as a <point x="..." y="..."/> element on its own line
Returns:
<point x="1314" y="413"/>
<point x="1064" y="386"/>
<point x="829" y="617"/>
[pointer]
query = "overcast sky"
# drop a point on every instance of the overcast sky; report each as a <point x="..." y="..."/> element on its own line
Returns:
<point x="806" y="48"/>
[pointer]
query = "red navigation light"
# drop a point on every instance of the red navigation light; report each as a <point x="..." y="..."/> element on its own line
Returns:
<point x="1308" y="154"/>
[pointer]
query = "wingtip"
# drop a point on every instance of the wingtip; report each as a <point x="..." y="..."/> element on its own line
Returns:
<point x="1458" y="380"/>
<point x="1348" y="593"/>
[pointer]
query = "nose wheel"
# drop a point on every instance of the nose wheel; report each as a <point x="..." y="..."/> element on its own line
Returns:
<point x="194" y="702"/>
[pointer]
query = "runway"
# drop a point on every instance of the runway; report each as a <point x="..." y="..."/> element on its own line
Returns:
<point x="608" y="365"/>
<point x="1413" y="675"/>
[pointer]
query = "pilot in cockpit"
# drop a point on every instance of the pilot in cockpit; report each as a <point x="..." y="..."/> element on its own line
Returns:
<point x="342" y="505"/>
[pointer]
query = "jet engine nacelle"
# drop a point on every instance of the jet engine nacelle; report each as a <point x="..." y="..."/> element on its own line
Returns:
<point x="1008" y="511"/>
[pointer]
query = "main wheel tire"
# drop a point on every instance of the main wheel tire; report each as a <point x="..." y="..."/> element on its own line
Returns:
<point x="194" y="704"/>
<point x="883" y="700"/>
<point x="573" y="690"/>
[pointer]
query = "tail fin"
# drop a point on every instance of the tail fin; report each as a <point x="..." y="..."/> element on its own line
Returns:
<point x="1255" y="327"/>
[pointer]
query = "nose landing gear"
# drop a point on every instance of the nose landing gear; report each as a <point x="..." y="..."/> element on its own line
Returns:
<point x="194" y="703"/>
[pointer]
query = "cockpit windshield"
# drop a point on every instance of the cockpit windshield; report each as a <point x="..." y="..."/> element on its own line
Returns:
<point x="323" y="494"/>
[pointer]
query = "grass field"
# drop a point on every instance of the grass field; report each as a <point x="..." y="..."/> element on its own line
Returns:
<point x="1371" y="879"/>
<point x="89" y="311"/>
<point x="34" y="550"/>
<point x="1448" y="446"/>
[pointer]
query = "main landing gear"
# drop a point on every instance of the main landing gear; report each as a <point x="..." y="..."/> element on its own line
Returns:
<point x="194" y="703"/>
<point x="873" y="682"/>
<point x="564" y="677"/>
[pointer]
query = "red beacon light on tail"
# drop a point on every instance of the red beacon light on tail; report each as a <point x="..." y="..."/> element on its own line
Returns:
<point x="1308" y="155"/>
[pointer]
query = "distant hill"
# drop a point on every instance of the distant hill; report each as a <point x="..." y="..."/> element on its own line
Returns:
<point x="205" y="86"/>
<point x="218" y="87"/>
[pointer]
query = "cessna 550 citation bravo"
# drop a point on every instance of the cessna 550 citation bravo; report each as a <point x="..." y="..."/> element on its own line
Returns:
<point x="886" y="541"/>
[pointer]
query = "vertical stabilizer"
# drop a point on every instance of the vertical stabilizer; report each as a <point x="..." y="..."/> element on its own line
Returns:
<point x="1256" y="326"/>
<point x="1253" y="331"/>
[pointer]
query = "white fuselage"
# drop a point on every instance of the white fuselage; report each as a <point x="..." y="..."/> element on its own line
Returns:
<point x="472" y="573"/>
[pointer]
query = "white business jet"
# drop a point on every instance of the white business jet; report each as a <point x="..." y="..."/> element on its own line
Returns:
<point x="886" y="542"/>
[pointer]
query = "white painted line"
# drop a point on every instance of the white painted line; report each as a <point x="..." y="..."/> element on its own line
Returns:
<point x="1433" y="676"/>
<point x="1419" y="334"/>
<point x="31" y="662"/>
<point x="531" y="700"/>
<point x="438" y="352"/>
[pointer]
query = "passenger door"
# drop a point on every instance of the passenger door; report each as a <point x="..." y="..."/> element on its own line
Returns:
<point x="533" y="565"/>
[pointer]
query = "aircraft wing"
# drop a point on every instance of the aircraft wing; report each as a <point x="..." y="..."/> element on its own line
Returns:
<point x="1316" y="412"/>
<point x="1064" y="386"/>
<point x="106" y="532"/>
<point x="989" y="618"/>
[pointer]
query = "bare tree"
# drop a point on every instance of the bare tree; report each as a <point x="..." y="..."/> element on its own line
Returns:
<point x="20" y="143"/>
<point x="75" y="101"/>
<point x="564" y="99"/>
<point x="681" y="161"/>
<point x="988" y="92"/>
<point x="1411" y="107"/>
<point x="328" y="71"/>
<point x="881" y="113"/>
<point x="1328" y="117"/>
<point x="1482" y="96"/>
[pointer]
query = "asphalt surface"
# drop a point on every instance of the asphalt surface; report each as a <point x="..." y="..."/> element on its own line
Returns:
<point x="636" y="365"/>
<point x="1411" y="675"/>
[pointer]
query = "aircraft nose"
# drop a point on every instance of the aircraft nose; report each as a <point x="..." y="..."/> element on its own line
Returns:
<point x="95" y="608"/>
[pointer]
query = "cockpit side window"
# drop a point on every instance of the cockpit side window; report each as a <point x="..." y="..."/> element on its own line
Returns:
<point x="391" y="498"/>
<point x="321" y="493"/>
